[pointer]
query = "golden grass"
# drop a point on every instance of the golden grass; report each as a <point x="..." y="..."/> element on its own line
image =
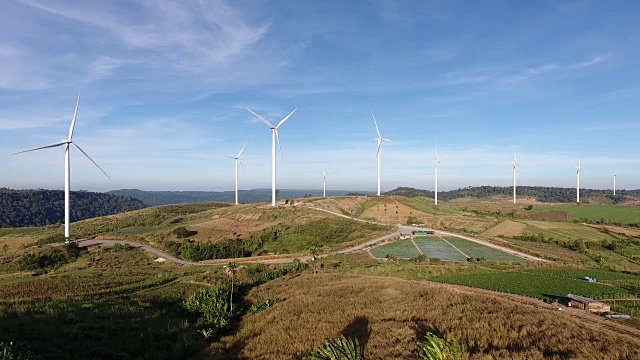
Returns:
<point x="388" y="316"/>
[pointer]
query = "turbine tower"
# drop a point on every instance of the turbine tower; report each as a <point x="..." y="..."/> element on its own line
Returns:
<point x="237" y="159"/>
<point x="578" y="168"/>
<point x="274" y="137"/>
<point x="614" y="184"/>
<point x="515" y="165"/>
<point x="324" y="183"/>
<point x="435" y="171"/>
<point x="379" y="139"/>
<point x="67" y="168"/>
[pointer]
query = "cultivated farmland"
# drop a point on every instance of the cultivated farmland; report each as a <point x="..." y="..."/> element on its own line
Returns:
<point x="539" y="284"/>
<point x="401" y="249"/>
<point x="435" y="247"/>
<point x="448" y="248"/>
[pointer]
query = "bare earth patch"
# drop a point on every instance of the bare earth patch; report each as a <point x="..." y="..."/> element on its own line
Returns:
<point x="506" y="228"/>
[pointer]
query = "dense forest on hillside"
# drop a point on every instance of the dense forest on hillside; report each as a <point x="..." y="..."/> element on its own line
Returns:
<point x="45" y="207"/>
<point x="156" y="198"/>
<point x="541" y="193"/>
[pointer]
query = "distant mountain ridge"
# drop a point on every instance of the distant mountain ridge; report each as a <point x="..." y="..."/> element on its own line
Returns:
<point x="45" y="207"/>
<point x="157" y="198"/>
<point x="540" y="193"/>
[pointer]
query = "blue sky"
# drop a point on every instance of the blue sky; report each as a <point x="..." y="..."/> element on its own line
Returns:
<point x="164" y="86"/>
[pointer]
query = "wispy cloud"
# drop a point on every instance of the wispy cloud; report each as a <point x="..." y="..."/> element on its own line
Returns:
<point x="597" y="59"/>
<point x="190" y="34"/>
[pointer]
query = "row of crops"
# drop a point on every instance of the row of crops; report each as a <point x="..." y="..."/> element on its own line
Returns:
<point x="547" y="283"/>
<point x="448" y="248"/>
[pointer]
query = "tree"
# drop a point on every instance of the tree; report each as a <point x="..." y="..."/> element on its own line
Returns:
<point x="230" y="269"/>
<point x="313" y="252"/>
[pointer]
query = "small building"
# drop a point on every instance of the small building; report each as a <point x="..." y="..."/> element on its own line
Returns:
<point x="587" y="304"/>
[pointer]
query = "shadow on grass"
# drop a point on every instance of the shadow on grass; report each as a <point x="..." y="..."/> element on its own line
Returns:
<point x="359" y="329"/>
<point x="116" y="328"/>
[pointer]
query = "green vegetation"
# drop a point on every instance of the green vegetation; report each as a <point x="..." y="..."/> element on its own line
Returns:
<point x="538" y="284"/>
<point x="106" y="305"/>
<point x="475" y="250"/>
<point x="340" y="348"/>
<point x="435" y="348"/>
<point x="19" y="208"/>
<point x="435" y="247"/>
<point x="401" y="249"/>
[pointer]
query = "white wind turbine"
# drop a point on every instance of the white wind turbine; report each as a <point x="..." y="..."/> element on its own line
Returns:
<point x="379" y="139"/>
<point x="324" y="183"/>
<point x="578" y="168"/>
<point x="436" y="162"/>
<point x="614" y="184"/>
<point x="67" y="168"/>
<point x="515" y="165"/>
<point x="274" y="137"/>
<point x="237" y="159"/>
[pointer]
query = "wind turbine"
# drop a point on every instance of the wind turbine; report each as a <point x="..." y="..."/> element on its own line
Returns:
<point x="379" y="139"/>
<point x="324" y="183"/>
<point x="67" y="168"/>
<point x="237" y="159"/>
<point x="435" y="171"/>
<point x="515" y="165"/>
<point x="274" y="137"/>
<point x="614" y="184"/>
<point x="578" y="168"/>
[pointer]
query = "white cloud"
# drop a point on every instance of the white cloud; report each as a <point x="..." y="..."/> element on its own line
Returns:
<point x="590" y="62"/>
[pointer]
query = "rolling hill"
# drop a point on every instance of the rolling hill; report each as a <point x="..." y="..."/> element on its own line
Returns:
<point x="45" y="207"/>
<point x="156" y="198"/>
<point x="540" y="193"/>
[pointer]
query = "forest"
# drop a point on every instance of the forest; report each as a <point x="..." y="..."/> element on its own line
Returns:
<point x="541" y="193"/>
<point x="45" y="207"/>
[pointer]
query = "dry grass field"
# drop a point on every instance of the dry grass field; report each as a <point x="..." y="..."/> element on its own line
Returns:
<point x="389" y="315"/>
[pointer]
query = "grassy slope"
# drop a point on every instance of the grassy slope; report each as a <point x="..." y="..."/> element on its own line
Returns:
<point x="301" y="228"/>
<point x="388" y="316"/>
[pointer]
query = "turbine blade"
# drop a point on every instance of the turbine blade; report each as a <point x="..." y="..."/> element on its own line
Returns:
<point x="286" y="118"/>
<point x="42" y="147"/>
<point x="230" y="157"/>
<point x="241" y="150"/>
<point x="243" y="170"/>
<point x="376" y="124"/>
<point x="279" y="146"/>
<point x="378" y="152"/>
<point x="387" y="140"/>
<point x="73" y="120"/>
<point x="262" y="119"/>
<point x="94" y="163"/>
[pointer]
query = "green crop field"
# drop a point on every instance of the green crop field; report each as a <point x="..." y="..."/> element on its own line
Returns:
<point x="618" y="213"/>
<point x="538" y="284"/>
<point x="401" y="249"/>
<point x="475" y="250"/>
<point x="434" y="247"/>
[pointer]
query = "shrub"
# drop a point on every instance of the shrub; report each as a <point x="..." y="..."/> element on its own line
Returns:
<point x="212" y="306"/>
<point x="435" y="348"/>
<point x="340" y="348"/>
<point x="263" y="305"/>
<point x="181" y="232"/>
<point x="48" y="258"/>
<point x="120" y="247"/>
